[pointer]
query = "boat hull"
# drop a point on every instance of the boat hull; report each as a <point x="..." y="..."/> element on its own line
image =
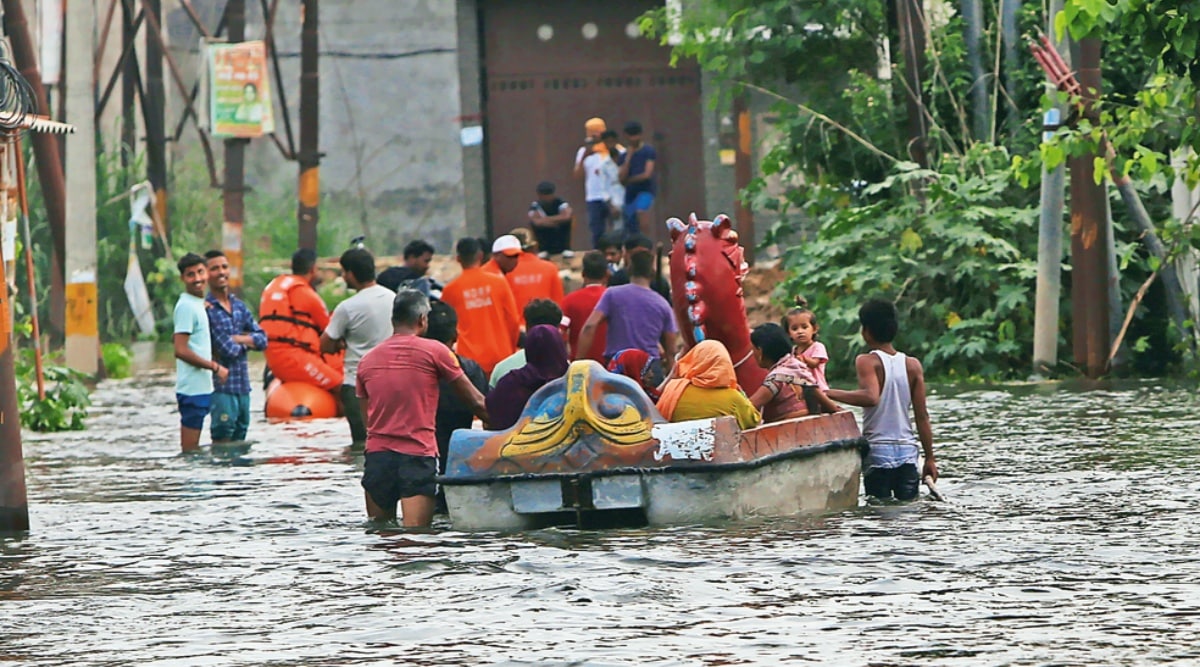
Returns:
<point x="809" y="480"/>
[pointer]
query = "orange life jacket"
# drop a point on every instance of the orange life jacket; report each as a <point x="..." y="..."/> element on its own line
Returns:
<point x="292" y="313"/>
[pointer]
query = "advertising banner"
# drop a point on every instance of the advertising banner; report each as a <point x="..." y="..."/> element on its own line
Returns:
<point x="239" y="90"/>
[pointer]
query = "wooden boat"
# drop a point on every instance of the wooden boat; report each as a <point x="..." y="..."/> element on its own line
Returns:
<point x="590" y="449"/>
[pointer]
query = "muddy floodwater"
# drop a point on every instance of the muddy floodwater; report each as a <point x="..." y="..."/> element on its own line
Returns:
<point x="1072" y="537"/>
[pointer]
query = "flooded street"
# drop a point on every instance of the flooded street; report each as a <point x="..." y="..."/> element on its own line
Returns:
<point x="1070" y="538"/>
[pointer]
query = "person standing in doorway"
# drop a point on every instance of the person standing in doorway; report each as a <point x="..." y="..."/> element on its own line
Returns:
<point x="194" y="364"/>
<point x="357" y="325"/>
<point x="234" y="333"/>
<point x="592" y="164"/>
<point x="637" y="172"/>
<point x="398" y="383"/>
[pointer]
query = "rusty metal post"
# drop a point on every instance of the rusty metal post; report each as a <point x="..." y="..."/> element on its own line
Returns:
<point x="154" y="110"/>
<point x="743" y="171"/>
<point x="129" y="86"/>
<point x="14" y="505"/>
<point x="910" y="20"/>
<point x="308" y="213"/>
<point x="1089" y="237"/>
<point x="234" y="193"/>
<point x="47" y="151"/>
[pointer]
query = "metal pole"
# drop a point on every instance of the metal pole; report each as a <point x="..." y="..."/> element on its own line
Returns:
<point x="83" y="335"/>
<point x="1050" y="237"/>
<point x="235" y="163"/>
<point x="1049" y="268"/>
<point x="45" y="149"/>
<point x="742" y="173"/>
<point x="308" y="213"/>
<point x="129" y="86"/>
<point x="14" y="504"/>
<point x="1089" y="242"/>
<point x="154" y="109"/>
<point x="972" y="11"/>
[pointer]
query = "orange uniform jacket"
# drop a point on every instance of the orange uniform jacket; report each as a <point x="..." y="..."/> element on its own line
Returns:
<point x="488" y="320"/>
<point x="293" y="316"/>
<point x="534" y="278"/>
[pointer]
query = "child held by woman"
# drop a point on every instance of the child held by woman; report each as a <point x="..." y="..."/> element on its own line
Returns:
<point x="801" y="325"/>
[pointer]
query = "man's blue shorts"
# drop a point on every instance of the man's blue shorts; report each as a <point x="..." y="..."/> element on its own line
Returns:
<point x="230" y="416"/>
<point x="193" y="409"/>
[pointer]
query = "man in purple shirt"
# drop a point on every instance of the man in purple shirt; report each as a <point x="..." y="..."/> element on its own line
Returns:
<point x="638" y="317"/>
<point x="234" y="332"/>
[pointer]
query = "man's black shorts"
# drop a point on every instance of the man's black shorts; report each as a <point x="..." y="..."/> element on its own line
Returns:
<point x="902" y="483"/>
<point x="389" y="476"/>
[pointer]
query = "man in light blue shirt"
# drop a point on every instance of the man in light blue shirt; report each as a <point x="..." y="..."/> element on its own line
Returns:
<point x="194" y="365"/>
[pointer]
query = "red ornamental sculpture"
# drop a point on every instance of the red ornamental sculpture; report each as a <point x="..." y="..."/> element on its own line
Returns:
<point x="707" y="269"/>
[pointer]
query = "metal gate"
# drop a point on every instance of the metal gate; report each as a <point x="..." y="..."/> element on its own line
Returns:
<point x="548" y="67"/>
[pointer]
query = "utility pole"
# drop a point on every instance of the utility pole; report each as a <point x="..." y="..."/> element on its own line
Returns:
<point x="82" y="342"/>
<point x="910" y="19"/>
<point x="45" y="148"/>
<point x="154" y="110"/>
<point x="1089" y="242"/>
<point x="972" y="11"/>
<point x="308" y="213"/>
<point x="235" y="167"/>
<point x="1050" y="233"/>
<point x="14" y="504"/>
<point x="129" y="85"/>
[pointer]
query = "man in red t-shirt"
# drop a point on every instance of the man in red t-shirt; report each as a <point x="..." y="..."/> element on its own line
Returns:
<point x="398" y="383"/>
<point x="578" y="306"/>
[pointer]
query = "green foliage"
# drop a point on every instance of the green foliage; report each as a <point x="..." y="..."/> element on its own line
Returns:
<point x="66" y="402"/>
<point x="959" y="263"/>
<point x="118" y="360"/>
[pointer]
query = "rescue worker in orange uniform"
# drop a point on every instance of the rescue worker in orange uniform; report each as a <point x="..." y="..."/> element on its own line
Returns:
<point x="294" y="317"/>
<point x="530" y="277"/>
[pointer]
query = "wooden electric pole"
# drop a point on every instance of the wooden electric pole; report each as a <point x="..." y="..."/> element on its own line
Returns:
<point x="1089" y="236"/>
<point x="309" y="157"/>
<point x="235" y="168"/>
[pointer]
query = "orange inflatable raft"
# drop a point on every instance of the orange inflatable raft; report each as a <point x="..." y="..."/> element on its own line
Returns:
<point x="299" y="400"/>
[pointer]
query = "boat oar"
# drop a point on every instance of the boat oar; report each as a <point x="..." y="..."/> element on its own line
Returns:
<point x="933" y="490"/>
<point x="27" y="240"/>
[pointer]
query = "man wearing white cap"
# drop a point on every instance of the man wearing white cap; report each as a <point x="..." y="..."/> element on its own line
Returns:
<point x="513" y="256"/>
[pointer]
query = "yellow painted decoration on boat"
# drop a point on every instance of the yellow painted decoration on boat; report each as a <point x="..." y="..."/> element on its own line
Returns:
<point x="550" y="434"/>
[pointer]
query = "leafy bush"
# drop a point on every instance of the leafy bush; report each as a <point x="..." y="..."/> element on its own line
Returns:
<point x="118" y="360"/>
<point x="960" y="263"/>
<point x="66" y="403"/>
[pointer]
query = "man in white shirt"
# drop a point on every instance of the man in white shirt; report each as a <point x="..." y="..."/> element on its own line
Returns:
<point x="357" y="325"/>
<point x="595" y="165"/>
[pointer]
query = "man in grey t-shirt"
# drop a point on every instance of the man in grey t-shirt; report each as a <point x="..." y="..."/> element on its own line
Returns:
<point x="357" y="325"/>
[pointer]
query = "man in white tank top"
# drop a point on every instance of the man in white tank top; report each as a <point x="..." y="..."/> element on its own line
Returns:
<point x="888" y="384"/>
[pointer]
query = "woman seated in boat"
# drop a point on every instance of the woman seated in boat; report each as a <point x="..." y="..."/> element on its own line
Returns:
<point x="640" y="367"/>
<point x="783" y="392"/>
<point x="545" y="360"/>
<point x="703" y="385"/>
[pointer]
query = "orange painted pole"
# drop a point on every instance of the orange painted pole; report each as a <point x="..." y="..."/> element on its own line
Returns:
<point x="14" y="504"/>
<point x="27" y="240"/>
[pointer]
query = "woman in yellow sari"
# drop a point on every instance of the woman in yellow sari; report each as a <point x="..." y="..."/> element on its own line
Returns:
<point x="704" y="385"/>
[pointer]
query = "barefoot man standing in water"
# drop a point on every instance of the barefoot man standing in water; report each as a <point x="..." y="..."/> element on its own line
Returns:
<point x="398" y="382"/>
<point x="194" y="365"/>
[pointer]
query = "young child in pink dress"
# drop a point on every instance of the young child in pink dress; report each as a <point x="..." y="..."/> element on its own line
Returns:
<point x="802" y="328"/>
